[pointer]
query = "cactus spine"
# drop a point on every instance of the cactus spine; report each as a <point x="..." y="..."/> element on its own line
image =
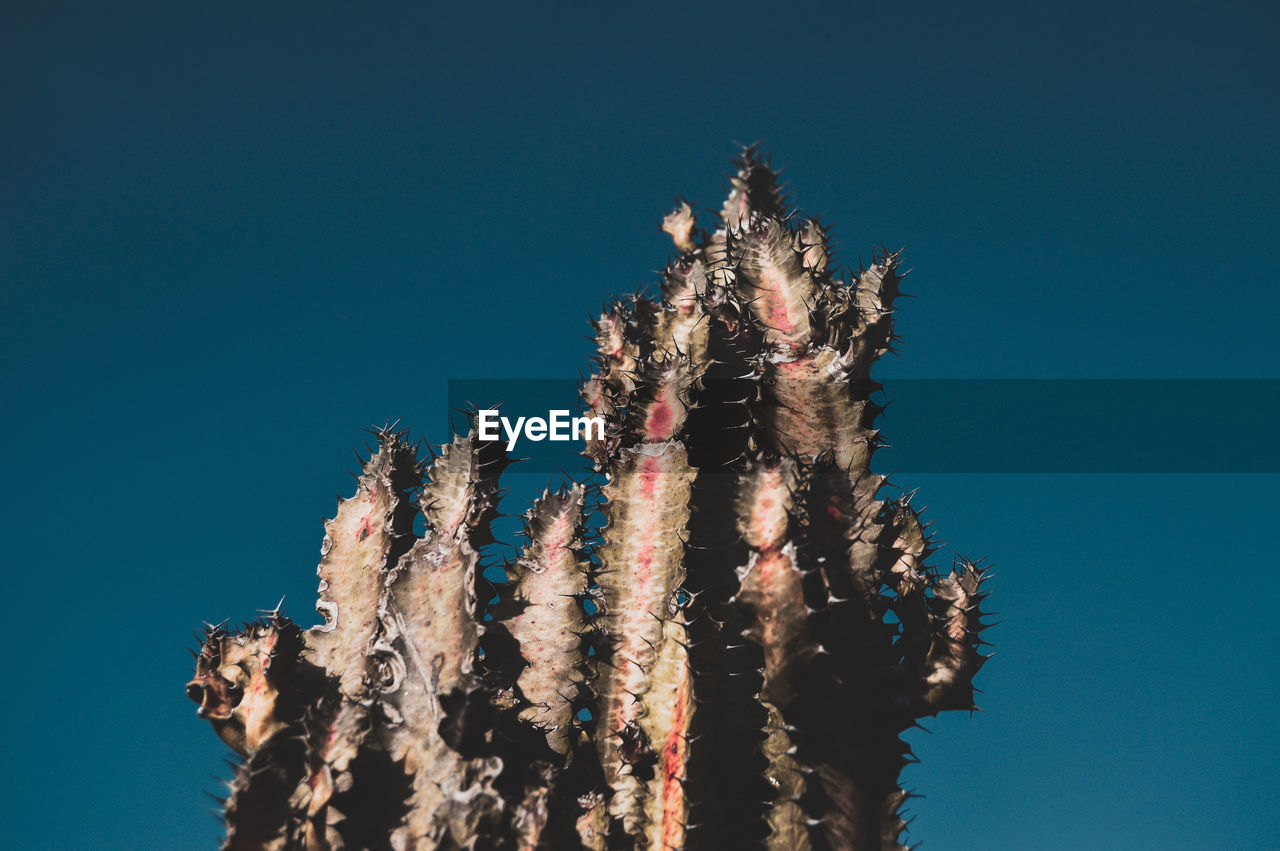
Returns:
<point x="729" y="661"/>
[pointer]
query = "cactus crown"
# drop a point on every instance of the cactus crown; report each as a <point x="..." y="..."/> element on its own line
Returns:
<point x="729" y="661"/>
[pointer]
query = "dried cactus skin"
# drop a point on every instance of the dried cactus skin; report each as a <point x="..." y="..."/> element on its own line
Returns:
<point x="721" y="646"/>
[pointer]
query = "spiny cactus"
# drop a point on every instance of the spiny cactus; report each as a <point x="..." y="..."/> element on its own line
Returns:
<point x="728" y="661"/>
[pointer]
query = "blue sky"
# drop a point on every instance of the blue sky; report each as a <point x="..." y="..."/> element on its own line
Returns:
<point x="232" y="235"/>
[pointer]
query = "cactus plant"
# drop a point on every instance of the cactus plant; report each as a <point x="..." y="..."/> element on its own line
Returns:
<point x="728" y="661"/>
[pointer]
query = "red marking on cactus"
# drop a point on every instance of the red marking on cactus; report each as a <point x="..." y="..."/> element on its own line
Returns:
<point x="768" y="516"/>
<point x="765" y="524"/>
<point x="773" y="289"/>
<point x="774" y="568"/>
<point x="675" y="757"/>
<point x="259" y="682"/>
<point x="780" y="318"/>
<point x="638" y="618"/>
<point x="364" y="528"/>
<point x="659" y="423"/>
<point x="268" y="646"/>
<point x="650" y="473"/>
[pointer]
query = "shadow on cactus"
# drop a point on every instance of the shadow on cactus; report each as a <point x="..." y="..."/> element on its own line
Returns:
<point x="729" y="661"/>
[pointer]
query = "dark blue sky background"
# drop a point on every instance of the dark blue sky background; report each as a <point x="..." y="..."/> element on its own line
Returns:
<point x="233" y="234"/>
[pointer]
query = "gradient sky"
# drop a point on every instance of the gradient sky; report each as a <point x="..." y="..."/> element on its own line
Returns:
<point x="232" y="235"/>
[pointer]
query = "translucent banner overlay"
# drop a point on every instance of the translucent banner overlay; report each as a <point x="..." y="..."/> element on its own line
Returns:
<point x="990" y="426"/>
